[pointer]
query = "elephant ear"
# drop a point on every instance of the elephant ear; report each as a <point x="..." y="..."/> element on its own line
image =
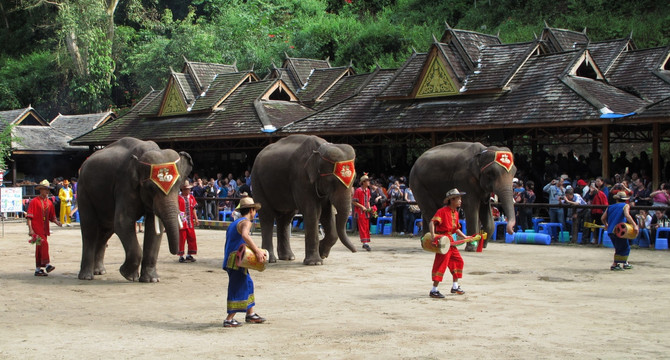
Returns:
<point x="137" y="171"/>
<point x="312" y="166"/>
<point x="186" y="163"/>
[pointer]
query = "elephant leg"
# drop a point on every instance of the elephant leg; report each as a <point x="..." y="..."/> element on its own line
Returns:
<point x="126" y="232"/>
<point x="90" y="238"/>
<point x="267" y="224"/>
<point x="330" y="232"/>
<point x="100" y="247"/>
<point x="284" y="251"/>
<point x="472" y="223"/>
<point x="311" y="222"/>
<point x="152" y="243"/>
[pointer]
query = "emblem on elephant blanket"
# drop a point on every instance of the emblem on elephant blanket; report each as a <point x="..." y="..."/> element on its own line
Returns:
<point x="164" y="175"/>
<point x="505" y="159"/>
<point x="344" y="170"/>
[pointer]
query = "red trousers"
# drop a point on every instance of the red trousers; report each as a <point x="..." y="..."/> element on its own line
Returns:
<point x="42" y="253"/>
<point x="364" y="229"/>
<point x="187" y="234"/>
<point x="451" y="259"/>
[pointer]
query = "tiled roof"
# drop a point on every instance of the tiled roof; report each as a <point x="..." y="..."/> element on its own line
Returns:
<point x="497" y="64"/>
<point x="18" y="116"/>
<point x="285" y="75"/>
<point x="75" y="125"/>
<point x="220" y="86"/>
<point x="347" y="86"/>
<point x="537" y="96"/>
<point x="41" y="139"/>
<point x="242" y="114"/>
<point x="601" y="94"/>
<point x="302" y="68"/>
<point x="187" y="86"/>
<point x="405" y="78"/>
<point x="472" y="42"/>
<point x="204" y="73"/>
<point x="660" y="109"/>
<point x="606" y="52"/>
<point x="319" y="81"/>
<point x="455" y="60"/>
<point x="634" y="71"/>
<point x="564" y="40"/>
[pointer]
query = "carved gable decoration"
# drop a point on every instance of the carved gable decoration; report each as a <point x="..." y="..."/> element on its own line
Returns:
<point x="173" y="103"/>
<point x="436" y="81"/>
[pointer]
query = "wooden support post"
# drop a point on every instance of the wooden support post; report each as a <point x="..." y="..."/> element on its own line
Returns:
<point x="606" y="152"/>
<point x="655" y="156"/>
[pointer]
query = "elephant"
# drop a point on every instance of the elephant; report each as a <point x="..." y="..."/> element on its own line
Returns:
<point x="473" y="168"/>
<point x="117" y="185"/>
<point x="308" y="174"/>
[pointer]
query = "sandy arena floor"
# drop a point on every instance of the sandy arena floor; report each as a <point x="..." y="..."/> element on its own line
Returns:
<point x="521" y="302"/>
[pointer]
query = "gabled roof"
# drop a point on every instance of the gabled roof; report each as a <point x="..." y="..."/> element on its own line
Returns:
<point x="75" y="125"/>
<point x="404" y="80"/>
<point x="204" y="73"/>
<point x="245" y="112"/>
<point x="605" y="53"/>
<point x="302" y="68"/>
<point x="640" y="71"/>
<point x="187" y="86"/>
<point x="468" y="43"/>
<point x="320" y="81"/>
<point x="285" y="75"/>
<point x="25" y="116"/>
<point x="497" y="65"/>
<point x="345" y="88"/>
<point x="41" y="139"/>
<point x="220" y="88"/>
<point x="537" y="95"/>
<point x="559" y="40"/>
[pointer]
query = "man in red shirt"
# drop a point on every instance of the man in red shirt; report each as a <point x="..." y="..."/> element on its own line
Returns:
<point x="40" y="212"/>
<point x="445" y="223"/>
<point x="598" y="197"/>
<point x="189" y="218"/>
<point x="363" y="210"/>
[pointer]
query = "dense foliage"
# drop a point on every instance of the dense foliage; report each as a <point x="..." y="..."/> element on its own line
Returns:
<point x="76" y="56"/>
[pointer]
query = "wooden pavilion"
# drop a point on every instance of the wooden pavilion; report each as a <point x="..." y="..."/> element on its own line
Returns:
<point x="559" y="89"/>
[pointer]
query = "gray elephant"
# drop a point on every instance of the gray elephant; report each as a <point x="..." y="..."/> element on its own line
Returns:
<point x="119" y="184"/>
<point x="474" y="169"/>
<point x="308" y="174"/>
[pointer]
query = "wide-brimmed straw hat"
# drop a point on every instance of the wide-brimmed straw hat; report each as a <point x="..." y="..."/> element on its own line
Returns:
<point x="44" y="184"/>
<point x="248" y="202"/>
<point x="452" y="193"/>
<point x="621" y="195"/>
<point x="66" y="182"/>
<point x="186" y="185"/>
<point x="364" y="177"/>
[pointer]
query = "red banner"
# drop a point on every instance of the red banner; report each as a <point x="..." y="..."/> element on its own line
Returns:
<point x="505" y="159"/>
<point x="344" y="170"/>
<point x="164" y="175"/>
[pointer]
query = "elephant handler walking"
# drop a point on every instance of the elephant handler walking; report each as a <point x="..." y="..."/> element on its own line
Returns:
<point x="241" y="296"/>
<point x="40" y="212"/>
<point x="615" y="214"/>
<point x="445" y="222"/>
<point x="363" y="210"/>
<point x="189" y="219"/>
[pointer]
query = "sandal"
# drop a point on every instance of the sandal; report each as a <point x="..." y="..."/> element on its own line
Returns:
<point x="50" y="268"/>
<point x="627" y="266"/>
<point x="616" y="267"/>
<point x="231" y="323"/>
<point x="255" y="318"/>
<point x="40" y="272"/>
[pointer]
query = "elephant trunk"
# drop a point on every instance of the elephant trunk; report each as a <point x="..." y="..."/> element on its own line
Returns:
<point x="168" y="212"/>
<point x="506" y="201"/>
<point x="341" y="225"/>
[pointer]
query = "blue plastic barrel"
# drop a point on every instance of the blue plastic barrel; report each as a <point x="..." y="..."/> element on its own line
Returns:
<point x="532" y="238"/>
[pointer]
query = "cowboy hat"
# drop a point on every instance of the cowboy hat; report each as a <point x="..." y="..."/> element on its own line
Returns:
<point x="248" y="202"/>
<point x="66" y="182"/>
<point x="44" y="184"/>
<point x="186" y="185"/>
<point x="364" y="177"/>
<point x="453" y="193"/>
<point x="621" y="195"/>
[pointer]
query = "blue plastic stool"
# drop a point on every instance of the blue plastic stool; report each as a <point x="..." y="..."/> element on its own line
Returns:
<point x="496" y="224"/>
<point x="225" y="214"/>
<point x="416" y="226"/>
<point x="550" y="228"/>
<point x="661" y="244"/>
<point x="536" y="221"/>
<point x="381" y="223"/>
<point x="387" y="228"/>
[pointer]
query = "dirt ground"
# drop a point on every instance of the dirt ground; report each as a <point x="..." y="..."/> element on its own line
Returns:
<point x="521" y="302"/>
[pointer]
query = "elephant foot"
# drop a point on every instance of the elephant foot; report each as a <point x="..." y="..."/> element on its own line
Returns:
<point x="287" y="256"/>
<point x="128" y="273"/>
<point x="149" y="275"/>
<point x="486" y="242"/>
<point x="100" y="271"/>
<point x="312" y="261"/>
<point x="85" y="275"/>
<point x="469" y="247"/>
<point x="272" y="259"/>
